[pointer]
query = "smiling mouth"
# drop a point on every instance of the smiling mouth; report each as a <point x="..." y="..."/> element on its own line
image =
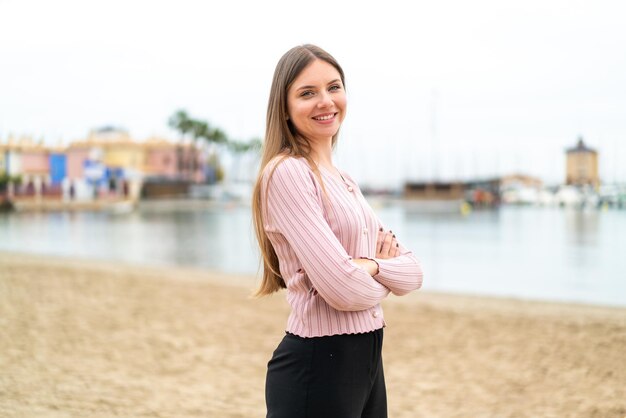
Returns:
<point x="325" y="117"/>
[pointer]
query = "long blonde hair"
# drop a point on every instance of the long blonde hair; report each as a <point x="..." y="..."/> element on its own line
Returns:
<point x="281" y="138"/>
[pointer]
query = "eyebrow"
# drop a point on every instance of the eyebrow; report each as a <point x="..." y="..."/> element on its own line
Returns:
<point x="312" y="87"/>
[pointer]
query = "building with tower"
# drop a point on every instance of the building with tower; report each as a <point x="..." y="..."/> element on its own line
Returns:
<point x="582" y="166"/>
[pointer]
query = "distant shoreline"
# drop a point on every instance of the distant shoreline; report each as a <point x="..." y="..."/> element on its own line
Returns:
<point x="425" y="206"/>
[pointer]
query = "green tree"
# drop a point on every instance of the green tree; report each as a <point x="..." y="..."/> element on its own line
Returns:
<point x="202" y="130"/>
<point x="181" y="122"/>
<point x="5" y="179"/>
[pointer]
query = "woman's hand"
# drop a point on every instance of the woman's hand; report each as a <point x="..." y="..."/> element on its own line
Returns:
<point x="368" y="265"/>
<point x="386" y="245"/>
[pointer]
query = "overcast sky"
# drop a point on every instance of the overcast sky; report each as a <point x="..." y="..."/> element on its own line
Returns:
<point x="438" y="89"/>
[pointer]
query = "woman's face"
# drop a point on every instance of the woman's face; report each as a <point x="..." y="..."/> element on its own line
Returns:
<point x="316" y="101"/>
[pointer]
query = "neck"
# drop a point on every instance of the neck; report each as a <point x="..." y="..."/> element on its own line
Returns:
<point x="321" y="152"/>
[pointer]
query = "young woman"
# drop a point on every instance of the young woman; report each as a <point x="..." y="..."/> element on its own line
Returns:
<point x="322" y="242"/>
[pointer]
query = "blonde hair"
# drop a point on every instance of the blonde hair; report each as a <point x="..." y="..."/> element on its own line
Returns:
<point x="282" y="139"/>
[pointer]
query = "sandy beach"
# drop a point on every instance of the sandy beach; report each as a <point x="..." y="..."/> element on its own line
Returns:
<point x="91" y="339"/>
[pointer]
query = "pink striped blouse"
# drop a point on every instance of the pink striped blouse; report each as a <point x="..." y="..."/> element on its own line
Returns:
<point x="316" y="235"/>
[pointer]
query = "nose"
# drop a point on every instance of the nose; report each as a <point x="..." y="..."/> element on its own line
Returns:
<point x="326" y="100"/>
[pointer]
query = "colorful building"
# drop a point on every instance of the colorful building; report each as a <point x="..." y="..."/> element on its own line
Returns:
<point x="119" y="151"/>
<point x="58" y="167"/>
<point x="34" y="164"/>
<point x="29" y="162"/>
<point x="174" y="161"/>
<point x="161" y="158"/>
<point x="107" y="163"/>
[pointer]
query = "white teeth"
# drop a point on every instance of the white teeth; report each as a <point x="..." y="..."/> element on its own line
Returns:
<point x="324" y="117"/>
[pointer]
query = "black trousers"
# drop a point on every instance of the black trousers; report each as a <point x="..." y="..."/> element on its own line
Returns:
<point x="339" y="376"/>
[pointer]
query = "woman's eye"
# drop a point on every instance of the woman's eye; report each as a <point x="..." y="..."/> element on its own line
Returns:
<point x="306" y="93"/>
<point x="335" y="87"/>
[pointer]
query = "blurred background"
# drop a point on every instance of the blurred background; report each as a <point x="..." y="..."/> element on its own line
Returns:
<point x="490" y="135"/>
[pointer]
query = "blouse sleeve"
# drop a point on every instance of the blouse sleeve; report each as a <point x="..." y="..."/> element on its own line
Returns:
<point x="400" y="274"/>
<point x="294" y="210"/>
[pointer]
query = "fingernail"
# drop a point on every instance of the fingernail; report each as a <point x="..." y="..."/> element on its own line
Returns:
<point x="381" y="229"/>
<point x="394" y="235"/>
<point x="397" y="244"/>
<point x="390" y="231"/>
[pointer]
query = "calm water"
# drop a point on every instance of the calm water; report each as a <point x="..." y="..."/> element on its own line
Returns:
<point x="537" y="253"/>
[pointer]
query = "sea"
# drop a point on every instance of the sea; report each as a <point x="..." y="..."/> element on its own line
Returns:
<point x="539" y="253"/>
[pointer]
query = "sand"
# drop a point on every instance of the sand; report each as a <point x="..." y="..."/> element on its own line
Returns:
<point x="89" y="339"/>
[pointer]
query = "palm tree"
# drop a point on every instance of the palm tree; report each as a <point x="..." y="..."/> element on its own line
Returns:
<point x="199" y="129"/>
<point x="181" y="122"/>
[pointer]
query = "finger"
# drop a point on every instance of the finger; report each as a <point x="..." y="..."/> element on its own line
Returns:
<point x="396" y="248"/>
<point x="387" y="244"/>
<point x="379" y="245"/>
<point x="379" y="240"/>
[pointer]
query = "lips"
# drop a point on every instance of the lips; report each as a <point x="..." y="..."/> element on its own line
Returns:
<point x="324" y="117"/>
